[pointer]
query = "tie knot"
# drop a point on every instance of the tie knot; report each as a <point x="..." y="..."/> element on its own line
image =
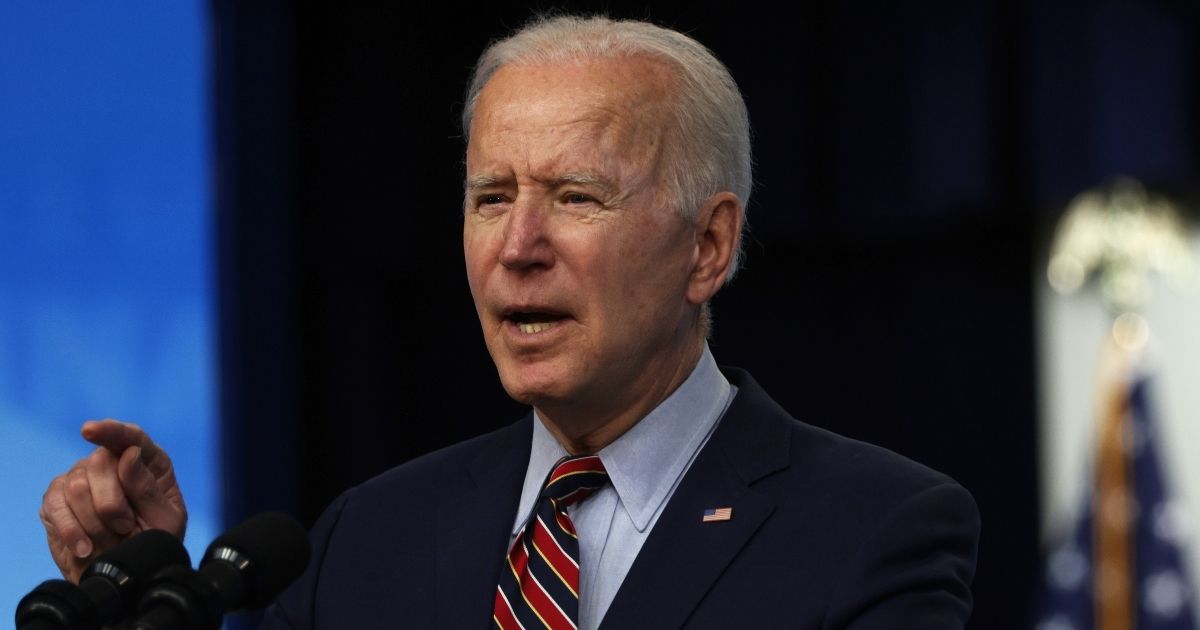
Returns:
<point x="574" y="478"/>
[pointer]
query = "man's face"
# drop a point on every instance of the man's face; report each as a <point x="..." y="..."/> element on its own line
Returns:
<point x="577" y="260"/>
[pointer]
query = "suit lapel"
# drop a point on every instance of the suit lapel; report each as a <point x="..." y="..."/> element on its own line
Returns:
<point x="684" y="556"/>
<point x="473" y="529"/>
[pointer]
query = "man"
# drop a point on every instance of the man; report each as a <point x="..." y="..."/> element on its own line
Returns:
<point x="608" y="169"/>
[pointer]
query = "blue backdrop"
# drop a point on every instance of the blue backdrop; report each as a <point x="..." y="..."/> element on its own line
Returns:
<point x="106" y="274"/>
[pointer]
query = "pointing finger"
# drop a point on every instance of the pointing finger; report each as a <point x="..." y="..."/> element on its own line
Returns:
<point x="119" y="436"/>
<point x="113" y="434"/>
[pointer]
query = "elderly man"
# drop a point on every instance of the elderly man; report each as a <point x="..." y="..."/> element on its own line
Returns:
<point x="608" y="168"/>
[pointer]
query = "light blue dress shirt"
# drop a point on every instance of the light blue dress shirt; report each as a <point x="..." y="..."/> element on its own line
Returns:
<point x="645" y="466"/>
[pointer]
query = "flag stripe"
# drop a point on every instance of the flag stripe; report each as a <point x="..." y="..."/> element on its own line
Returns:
<point x="1106" y="574"/>
<point x="717" y="514"/>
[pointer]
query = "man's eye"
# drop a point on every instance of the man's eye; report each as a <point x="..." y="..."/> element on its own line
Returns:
<point x="491" y="205"/>
<point x="576" y="198"/>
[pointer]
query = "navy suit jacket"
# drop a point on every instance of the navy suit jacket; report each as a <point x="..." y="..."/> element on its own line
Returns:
<point x="826" y="533"/>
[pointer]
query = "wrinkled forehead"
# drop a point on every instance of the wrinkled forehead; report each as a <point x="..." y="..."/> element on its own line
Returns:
<point x="623" y="102"/>
<point x="635" y="90"/>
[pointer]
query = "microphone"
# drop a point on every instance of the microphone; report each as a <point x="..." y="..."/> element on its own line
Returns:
<point x="109" y="588"/>
<point x="244" y="568"/>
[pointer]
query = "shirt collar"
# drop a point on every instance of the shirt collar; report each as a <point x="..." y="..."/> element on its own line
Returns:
<point x="648" y="460"/>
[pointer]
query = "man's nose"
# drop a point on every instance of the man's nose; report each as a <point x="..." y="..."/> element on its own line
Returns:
<point x="526" y="236"/>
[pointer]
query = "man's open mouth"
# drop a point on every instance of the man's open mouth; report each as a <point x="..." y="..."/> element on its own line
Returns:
<point x="530" y="322"/>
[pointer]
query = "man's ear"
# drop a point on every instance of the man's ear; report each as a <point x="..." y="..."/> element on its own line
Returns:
<point x="718" y="228"/>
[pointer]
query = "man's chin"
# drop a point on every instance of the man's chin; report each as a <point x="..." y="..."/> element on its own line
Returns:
<point x="535" y="387"/>
<point x="533" y="396"/>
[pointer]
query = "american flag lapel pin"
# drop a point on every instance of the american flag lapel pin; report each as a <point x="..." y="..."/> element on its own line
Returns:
<point x="712" y="515"/>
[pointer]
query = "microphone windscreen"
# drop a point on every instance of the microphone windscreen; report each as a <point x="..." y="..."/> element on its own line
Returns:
<point x="142" y="555"/>
<point x="277" y="549"/>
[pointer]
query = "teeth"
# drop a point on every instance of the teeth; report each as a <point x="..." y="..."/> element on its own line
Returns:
<point x="536" y="327"/>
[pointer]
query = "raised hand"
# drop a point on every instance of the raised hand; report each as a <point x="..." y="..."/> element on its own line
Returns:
<point x="125" y="486"/>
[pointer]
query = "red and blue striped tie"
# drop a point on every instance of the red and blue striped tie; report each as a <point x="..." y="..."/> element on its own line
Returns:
<point x="539" y="584"/>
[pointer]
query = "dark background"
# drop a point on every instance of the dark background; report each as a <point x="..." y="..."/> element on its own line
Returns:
<point x="911" y="159"/>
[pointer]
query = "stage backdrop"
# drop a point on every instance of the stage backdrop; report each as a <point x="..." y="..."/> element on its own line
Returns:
<point x="106" y="275"/>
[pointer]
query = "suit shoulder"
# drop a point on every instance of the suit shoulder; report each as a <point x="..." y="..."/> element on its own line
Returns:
<point x="856" y="465"/>
<point x="767" y="443"/>
<point x="433" y="472"/>
<point x="859" y="488"/>
<point x="907" y="536"/>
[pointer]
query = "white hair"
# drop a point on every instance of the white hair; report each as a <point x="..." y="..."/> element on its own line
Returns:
<point x="712" y="152"/>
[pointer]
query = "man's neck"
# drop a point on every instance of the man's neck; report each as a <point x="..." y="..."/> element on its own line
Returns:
<point x="585" y="431"/>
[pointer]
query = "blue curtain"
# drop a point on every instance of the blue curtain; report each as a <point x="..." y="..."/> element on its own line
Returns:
<point x="106" y="271"/>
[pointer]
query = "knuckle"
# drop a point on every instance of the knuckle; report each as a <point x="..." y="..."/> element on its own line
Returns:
<point x="70" y="531"/>
<point x="109" y="508"/>
<point x="77" y="486"/>
<point x="64" y="529"/>
<point x="55" y="488"/>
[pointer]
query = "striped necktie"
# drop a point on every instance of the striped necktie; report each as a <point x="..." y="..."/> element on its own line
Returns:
<point x="539" y="584"/>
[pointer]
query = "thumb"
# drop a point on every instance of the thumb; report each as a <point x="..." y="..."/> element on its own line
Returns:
<point x="151" y="504"/>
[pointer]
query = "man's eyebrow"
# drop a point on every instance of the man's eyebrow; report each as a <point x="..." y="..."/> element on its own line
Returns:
<point x="476" y="182"/>
<point x="583" y="179"/>
<point x="580" y="178"/>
